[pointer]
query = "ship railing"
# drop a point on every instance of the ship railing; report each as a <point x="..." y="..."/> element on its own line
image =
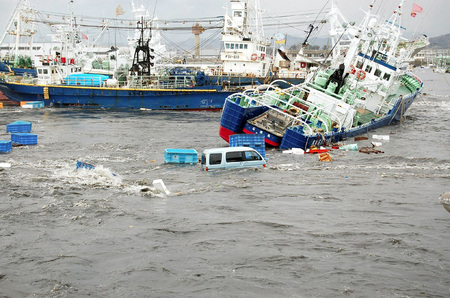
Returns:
<point x="329" y="104"/>
<point x="246" y="95"/>
<point x="318" y="109"/>
<point x="257" y="98"/>
<point x="154" y="82"/>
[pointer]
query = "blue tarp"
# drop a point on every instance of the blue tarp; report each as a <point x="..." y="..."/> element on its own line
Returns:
<point x="83" y="79"/>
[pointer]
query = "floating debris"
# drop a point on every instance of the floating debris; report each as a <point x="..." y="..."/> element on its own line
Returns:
<point x="159" y="185"/>
<point x="369" y="150"/>
<point x="325" y="157"/>
<point x="445" y="200"/>
<point x="361" y="138"/>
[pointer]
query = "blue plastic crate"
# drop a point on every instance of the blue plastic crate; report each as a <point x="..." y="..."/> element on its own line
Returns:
<point x="24" y="138"/>
<point x="5" y="146"/>
<point x="83" y="165"/>
<point x="19" y="126"/>
<point x="255" y="141"/>
<point x="180" y="156"/>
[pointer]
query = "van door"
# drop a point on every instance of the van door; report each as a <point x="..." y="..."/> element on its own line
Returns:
<point x="252" y="159"/>
<point x="234" y="159"/>
<point x="243" y="159"/>
<point x="214" y="160"/>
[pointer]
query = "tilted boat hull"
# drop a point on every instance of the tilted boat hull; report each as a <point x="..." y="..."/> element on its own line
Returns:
<point x="234" y="120"/>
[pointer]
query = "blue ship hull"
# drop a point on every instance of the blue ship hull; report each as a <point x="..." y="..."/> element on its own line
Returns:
<point x="17" y="71"/>
<point x="100" y="97"/>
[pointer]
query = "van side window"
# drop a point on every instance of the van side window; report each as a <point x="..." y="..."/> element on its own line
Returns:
<point x="250" y="155"/>
<point x="215" y="158"/>
<point x="234" y="157"/>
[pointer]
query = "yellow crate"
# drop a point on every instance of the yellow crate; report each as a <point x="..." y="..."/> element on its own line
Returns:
<point x="1" y="105"/>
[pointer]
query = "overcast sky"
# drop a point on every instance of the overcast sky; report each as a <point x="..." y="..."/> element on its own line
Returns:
<point x="433" y="21"/>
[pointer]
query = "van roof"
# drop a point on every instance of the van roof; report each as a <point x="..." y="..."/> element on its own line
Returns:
<point x="228" y="149"/>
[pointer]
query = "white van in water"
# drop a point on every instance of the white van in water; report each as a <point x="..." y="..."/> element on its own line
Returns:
<point x="231" y="157"/>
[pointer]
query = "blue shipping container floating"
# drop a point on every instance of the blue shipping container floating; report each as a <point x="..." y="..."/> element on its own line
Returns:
<point x="255" y="141"/>
<point x="24" y="138"/>
<point x="180" y="156"/>
<point x="19" y="126"/>
<point x="5" y="146"/>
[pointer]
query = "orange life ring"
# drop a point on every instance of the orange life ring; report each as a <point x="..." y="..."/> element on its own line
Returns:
<point x="352" y="69"/>
<point x="302" y="64"/>
<point x="361" y="75"/>
<point x="254" y="57"/>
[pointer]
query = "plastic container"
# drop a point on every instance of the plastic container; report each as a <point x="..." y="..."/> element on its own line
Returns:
<point x="19" y="126"/>
<point x="24" y="138"/>
<point x="159" y="185"/>
<point x="5" y="146"/>
<point x="82" y="165"/>
<point x="350" y="147"/>
<point x="181" y="156"/>
<point x="381" y="137"/>
<point x="255" y="141"/>
<point x="33" y="105"/>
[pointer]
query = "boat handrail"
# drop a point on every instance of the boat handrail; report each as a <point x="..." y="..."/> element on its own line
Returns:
<point x="297" y="118"/>
<point x="262" y="103"/>
<point x="297" y="88"/>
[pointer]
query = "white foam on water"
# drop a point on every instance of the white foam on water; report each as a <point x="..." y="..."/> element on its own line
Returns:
<point x="98" y="177"/>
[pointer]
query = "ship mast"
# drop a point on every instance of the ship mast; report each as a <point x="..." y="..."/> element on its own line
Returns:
<point x="142" y="58"/>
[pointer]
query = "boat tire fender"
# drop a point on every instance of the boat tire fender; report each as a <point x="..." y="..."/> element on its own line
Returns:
<point x="361" y="75"/>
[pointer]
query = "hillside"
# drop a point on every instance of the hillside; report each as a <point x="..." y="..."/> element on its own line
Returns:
<point x="442" y="41"/>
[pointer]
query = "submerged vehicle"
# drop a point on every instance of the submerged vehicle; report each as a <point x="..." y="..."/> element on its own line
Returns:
<point x="231" y="158"/>
<point x="367" y="86"/>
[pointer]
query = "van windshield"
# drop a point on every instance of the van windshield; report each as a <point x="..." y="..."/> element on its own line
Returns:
<point x="251" y="155"/>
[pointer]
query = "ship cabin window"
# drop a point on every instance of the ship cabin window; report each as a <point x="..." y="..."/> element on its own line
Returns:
<point x="45" y="71"/>
<point x="232" y="46"/>
<point x="238" y="14"/>
<point x="245" y="46"/>
<point x="379" y="56"/>
<point x="227" y="46"/>
<point x="241" y="46"/>
<point x="40" y="71"/>
<point x="368" y="68"/>
<point x="359" y="64"/>
<point x="386" y="76"/>
<point x="377" y="73"/>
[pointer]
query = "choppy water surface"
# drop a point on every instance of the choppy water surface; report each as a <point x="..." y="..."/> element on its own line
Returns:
<point x="362" y="225"/>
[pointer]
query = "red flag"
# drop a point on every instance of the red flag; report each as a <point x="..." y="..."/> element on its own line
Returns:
<point x="83" y="36"/>
<point x="417" y="8"/>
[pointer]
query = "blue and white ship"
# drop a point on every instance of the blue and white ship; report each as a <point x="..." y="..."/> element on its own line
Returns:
<point x="367" y="86"/>
<point x="61" y="82"/>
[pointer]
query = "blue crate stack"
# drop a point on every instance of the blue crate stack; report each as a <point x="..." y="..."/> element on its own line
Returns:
<point x="255" y="141"/>
<point x="19" y="126"/>
<point x="5" y="146"/>
<point x="24" y="138"/>
<point x="181" y="156"/>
